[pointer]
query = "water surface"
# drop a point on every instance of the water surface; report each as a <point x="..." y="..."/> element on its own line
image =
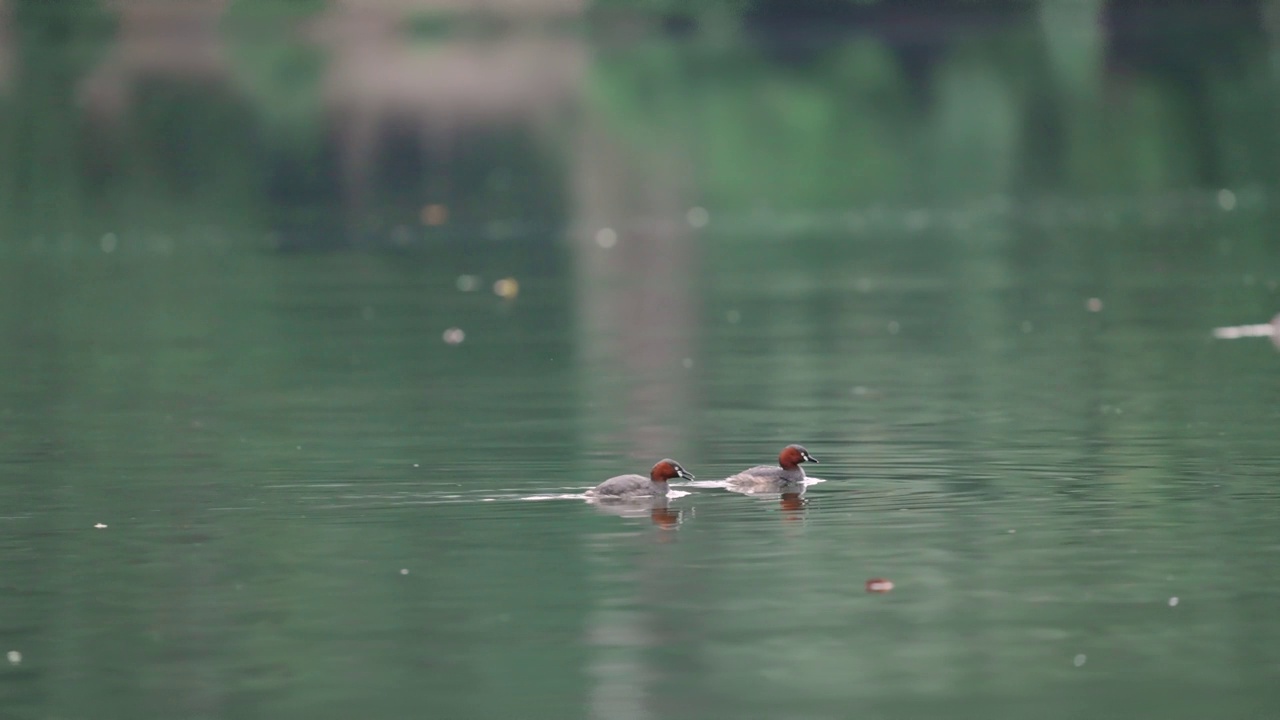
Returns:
<point x="224" y="325"/>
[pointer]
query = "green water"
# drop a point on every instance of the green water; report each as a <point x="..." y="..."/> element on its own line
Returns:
<point x="986" y="307"/>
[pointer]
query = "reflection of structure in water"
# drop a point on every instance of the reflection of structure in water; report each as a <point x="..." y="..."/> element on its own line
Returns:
<point x="366" y="123"/>
<point x="463" y="122"/>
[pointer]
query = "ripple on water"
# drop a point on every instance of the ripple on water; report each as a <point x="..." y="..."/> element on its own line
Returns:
<point x="371" y="496"/>
<point x="724" y="483"/>
<point x="672" y="495"/>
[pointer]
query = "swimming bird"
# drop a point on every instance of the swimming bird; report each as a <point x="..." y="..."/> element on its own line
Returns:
<point x="625" y="487"/>
<point x="787" y="475"/>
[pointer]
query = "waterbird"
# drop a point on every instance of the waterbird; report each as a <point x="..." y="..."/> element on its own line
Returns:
<point x="624" y="487"/>
<point x="787" y="475"/>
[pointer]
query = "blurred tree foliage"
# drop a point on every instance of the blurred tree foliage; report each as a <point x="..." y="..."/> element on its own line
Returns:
<point x="947" y="117"/>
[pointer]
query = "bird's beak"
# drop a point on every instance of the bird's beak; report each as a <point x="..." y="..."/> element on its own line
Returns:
<point x="684" y="474"/>
<point x="810" y="458"/>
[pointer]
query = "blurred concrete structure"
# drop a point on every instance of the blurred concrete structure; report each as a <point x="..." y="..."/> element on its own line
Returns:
<point x="179" y="40"/>
<point x="379" y="78"/>
<point x="513" y="9"/>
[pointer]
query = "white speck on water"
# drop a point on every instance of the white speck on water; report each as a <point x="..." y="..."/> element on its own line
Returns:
<point x="687" y="363"/>
<point x="1093" y="305"/>
<point x="299" y="447"/>
<point x="468" y="283"/>
<point x="894" y="327"/>
<point x="101" y="526"/>
<point x="698" y="217"/>
<point x="415" y="464"/>
<point x="1013" y="532"/>
<point x="606" y="238"/>
<point x="15" y="657"/>
<point x="1226" y="200"/>
<point x="108" y="243"/>
<point x="733" y="316"/>
<point x="487" y="499"/>
<point x="1079" y="660"/>
<point x="404" y="571"/>
<point x="454" y="336"/>
<point x="1173" y="601"/>
<point x="859" y="390"/>
<point x="864" y="285"/>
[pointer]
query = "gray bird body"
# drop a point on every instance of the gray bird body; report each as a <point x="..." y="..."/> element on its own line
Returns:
<point x="765" y="478"/>
<point x="628" y="486"/>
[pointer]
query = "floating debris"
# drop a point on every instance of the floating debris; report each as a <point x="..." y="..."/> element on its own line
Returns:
<point x="506" y="288"/>
<point x="404" y="571"/>
<point x="1173" y="601"/>
<point x="15" y="657"/>
<point x="1079" y="660"/>
<point x="101" y="526"/>
<point x="1226" y="200"/>
<point x="879" y="585"/>
<point x="1093" y="305"/>
<point x="108" y="243"/>
<point x="435" y="214"/>
<point x="454" y="336"/>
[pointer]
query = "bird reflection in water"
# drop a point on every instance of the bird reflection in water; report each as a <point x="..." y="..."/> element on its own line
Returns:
<point x="657" y="508"/>
<point x="793" y="505"/>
